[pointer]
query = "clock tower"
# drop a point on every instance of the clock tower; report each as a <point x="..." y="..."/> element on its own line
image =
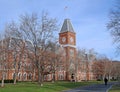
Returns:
<point x="67" y="38"/>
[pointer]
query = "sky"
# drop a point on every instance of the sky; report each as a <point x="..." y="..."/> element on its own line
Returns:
<point x="88" y="17"/>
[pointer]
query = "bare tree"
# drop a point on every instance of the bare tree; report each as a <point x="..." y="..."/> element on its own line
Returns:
<point x="98" y="69"/>
<point x="38" y="33"/>
<point x="57" y="58"/>
<point x="33" y="34"/>
<point x="1" y="61"/>
<point x="16" y="47"/>
<point x="85" y="58"/>
<point x="102" y="67"/>
<point x="115" y="72"/>
<point x="114" y="24"/>
<point x="118" y="70"/>
<point x="80" y="63"/>
<point x="4" y="58"/>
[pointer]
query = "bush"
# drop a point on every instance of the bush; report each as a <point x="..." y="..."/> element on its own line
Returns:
<point x="8" y="81"/>
<point x="99" y="80"/>
<point x="113" y="79"/>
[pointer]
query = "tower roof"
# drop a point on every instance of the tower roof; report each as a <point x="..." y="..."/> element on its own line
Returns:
<point x="67" y="26"/>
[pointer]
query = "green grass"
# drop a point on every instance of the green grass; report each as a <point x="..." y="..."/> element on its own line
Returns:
<point x="48" y="87"/>
<point x="115" y="88"/>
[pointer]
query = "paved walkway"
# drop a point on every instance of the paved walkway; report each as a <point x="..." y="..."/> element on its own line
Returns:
<point x="92" y="88"/>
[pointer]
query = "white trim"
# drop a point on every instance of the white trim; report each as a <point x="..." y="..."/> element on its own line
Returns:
<point x="69" y="45"/>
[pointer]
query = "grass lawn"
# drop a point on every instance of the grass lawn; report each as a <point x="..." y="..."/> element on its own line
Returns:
<point x="48" y="87"/>
<point x="115" y="88"/>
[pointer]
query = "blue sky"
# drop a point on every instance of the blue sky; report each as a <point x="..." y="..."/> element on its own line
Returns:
<point x="89" y="19"/>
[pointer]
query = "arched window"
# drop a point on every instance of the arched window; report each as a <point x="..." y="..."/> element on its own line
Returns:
<point x="24" y="76"/>
<point x="61" y="77"/>
<point x="20" y="65"/>
<point x="30" y="76"/>
<point x="25" y="66"/>
<point x="30" y="66"/>
<point x="48" y="76"/>
<point x="19" y="76"/>
<point x="45" y="77"/>
<point x="0" y="65"/>
<point x="13" y="75"/>
<point x="13" y="65"/>
<point x="5" y="75"/>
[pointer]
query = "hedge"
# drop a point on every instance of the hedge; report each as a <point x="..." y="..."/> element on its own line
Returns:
<point x="8" y="81"/>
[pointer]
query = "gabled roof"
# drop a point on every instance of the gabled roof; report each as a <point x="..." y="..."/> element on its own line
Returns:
<point x="67" y="26"/>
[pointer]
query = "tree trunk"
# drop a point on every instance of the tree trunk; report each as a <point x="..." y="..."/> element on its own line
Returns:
<point x="33" y="77"/>
<point x="42" y="76"/>
<point x="15" y="74"/>
<point x="15" y="79"/>
<point x="53" y="79"/>
<point x="39" y="76"/>
<point x="2" y="84"/>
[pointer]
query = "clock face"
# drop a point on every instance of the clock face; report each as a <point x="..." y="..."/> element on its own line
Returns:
<point x="71" y="39"/>
<point x="63" y="39"/>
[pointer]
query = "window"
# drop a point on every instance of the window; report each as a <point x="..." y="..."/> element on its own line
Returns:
<point x="14" y="64"/>
<point x="25" y="56"/>
<point x="49" y="76"/>
<point x="19" y="76"/>
<point x="25" y="65"/>
<point x="45" y="77"/>
<point x="4" y="57"/>
<point x="61" y="77"/>
<point x="19" y="65"/>
<point x="24" y="76"/>
<point x="5" y="75"/>
<point x="14" y="55"/>
<point x="61" y="68"/>
<point x="30" y="76"/>
<point x="13" y="75"/>
<point x="0" y="66"/>
<point x="71" y="52"/>
<point x="30" y="66"/>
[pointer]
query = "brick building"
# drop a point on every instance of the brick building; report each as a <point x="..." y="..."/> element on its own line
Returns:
<point x="74" y="68"/>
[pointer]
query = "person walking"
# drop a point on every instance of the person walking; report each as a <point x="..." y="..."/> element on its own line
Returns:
<point x="105" y="80"/>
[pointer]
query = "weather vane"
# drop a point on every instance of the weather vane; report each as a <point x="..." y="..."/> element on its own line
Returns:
<point x="66" y="9"/>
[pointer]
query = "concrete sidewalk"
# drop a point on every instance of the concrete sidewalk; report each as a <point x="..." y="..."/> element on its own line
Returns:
<point x="92" y="88"/>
